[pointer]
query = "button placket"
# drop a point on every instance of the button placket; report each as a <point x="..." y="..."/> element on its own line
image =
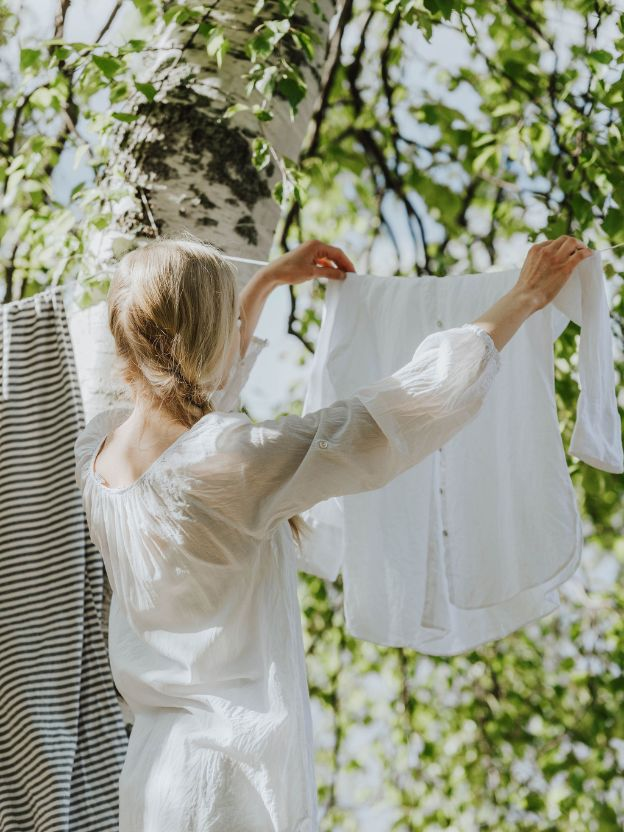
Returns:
<point x="442" y="483"/>
<point x="443" y="516"/>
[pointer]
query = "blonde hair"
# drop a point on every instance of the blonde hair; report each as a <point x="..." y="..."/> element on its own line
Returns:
<point x="172" y="311"/>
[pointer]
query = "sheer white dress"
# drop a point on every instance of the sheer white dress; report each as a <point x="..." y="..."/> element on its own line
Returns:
<point x="205" y="631"/>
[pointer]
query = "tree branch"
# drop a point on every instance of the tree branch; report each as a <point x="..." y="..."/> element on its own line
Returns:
<point x="109" y="21"/>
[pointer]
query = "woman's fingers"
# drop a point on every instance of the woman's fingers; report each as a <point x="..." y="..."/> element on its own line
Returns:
<point x="562" y="245"/>
<point x="325" y="261"/>
<point x="570" y="245"/>
<point x="322" y="251"/>
<point x="579" y="255"/>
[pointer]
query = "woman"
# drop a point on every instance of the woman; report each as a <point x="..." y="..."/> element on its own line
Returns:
<point x="187" y="502"/>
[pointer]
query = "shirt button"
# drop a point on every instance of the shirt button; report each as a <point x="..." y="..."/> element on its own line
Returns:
<point x="445" y="533"/>
<point x="441" y="491"/>
<point x="323" y="443"/>
<point x="439" y="323"/>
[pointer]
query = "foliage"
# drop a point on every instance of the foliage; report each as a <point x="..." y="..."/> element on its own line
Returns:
<point x="55" y="107"/>
<point x="526" y="733"/>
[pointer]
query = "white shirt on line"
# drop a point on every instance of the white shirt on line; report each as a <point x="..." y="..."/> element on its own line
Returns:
<point x="471" y="542"/>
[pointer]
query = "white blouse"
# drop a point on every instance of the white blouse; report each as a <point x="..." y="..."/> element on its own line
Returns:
<point x="205" y="632"/>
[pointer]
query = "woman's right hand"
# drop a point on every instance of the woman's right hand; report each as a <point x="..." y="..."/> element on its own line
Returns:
<point x="548" y="266"/>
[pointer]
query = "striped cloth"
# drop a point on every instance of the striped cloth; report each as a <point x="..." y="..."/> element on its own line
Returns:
<point x="62" y="734"/>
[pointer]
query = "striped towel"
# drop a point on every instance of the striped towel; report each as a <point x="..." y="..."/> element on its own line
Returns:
<point x="62" y="734"/>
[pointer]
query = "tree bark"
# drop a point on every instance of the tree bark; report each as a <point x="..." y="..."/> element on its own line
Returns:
<point x="191" y="169"/>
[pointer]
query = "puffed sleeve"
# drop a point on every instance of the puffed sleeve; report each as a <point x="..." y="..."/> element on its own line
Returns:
<point x="84" y="445"/>
<point x="91" y="435"/>
<point x="270" y="470"/>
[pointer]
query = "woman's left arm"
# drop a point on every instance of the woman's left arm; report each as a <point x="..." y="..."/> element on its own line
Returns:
<point x="252" y="299"/>
<point x="307" y="261"/>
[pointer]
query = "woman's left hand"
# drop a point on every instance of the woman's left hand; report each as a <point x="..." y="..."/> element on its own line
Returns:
<point x="309" y="260"/>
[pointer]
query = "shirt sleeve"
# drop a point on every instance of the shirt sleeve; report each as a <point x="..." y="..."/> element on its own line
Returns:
<point x="270" y="470"/>
<point x="228" y="399"/>
<point x="597" y="435"/>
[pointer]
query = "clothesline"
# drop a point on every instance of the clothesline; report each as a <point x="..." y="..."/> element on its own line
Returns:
<point x="68" y="285"/>
<point x="265" y="262"/>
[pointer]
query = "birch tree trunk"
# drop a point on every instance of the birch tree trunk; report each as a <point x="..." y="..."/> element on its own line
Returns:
<point x="190" y="170"/>
<point x="193" y="170"/>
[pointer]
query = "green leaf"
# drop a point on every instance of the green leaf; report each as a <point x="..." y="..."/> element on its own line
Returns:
<point x="128" y="117"/>
<point x="612" y="224"/>
<point x="118" y="92"/>
<point x="261" y="114"/>
<point x="293" y="88"/>
<point x="486" y="138"/>
<point x="259" y="46"/>
<point x="28" y="57"/>
<point x="239" y="107"/>
<point x="278" y="192"/>
<point x="287" y="7"/>
<point x="61" y="53"/>
<point x="42" y="97"/>
<point x="261" y="153"/>
<point x="177" y="12"/>
<point x="480" y="161"/>
<point x="217" y="45"/>
<point x="79" y="154"/>
<point x="303" y="40"/>
<point x="507" y="108"/>
<point x="148" y="90"/>
<point x="601" y="55"/>
<point x="108" y="66"/>
<point x="205" y="28"/>
<point x="76" y="189"/>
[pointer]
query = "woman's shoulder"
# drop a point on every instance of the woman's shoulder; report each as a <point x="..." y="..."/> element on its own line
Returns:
<point x="203" y="438"/>
<point x="93" y="432"/>
<point x="102" y="422"/>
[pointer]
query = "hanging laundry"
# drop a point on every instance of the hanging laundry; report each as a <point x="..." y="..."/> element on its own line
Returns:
<point x="471" y="543"/>
<point x="62" y="737"/>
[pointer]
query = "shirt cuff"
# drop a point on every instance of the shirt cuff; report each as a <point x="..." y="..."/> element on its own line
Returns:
<point x="491" y="349"/>
<point x="229" y="398"/>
